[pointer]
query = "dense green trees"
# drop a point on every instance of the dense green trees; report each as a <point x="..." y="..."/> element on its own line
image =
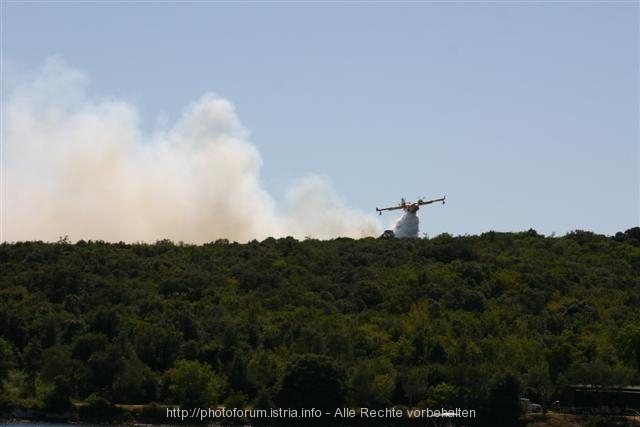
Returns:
<point x="194" y="384"/>
<point x="503" y="405"/>
<point x="312" y="381"/>
<point x="6" y="360"/>
<point x="629" y="344"/>
<point x="473" y="322"/>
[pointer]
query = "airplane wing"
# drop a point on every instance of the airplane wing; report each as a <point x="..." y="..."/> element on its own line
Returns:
<point x="427" y="202"/>
<point x="393" y="208"/>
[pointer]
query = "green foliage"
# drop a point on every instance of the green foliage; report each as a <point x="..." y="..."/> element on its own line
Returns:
<point x="59" y="398"/>
<point x="629" y="344"/>
<point x="157" y="346"/>
<point x="597" y="421"/>
<point x="194" y="384"/>
<point x="373" y="383"/>
<point x="599" y="373"/>
<point x="371" y="322"/>
<point x="6" y="361"/>
<point x="31" y="361"/>
<point x="415" y="384"/>
<point x="312" y="381"/>
<point x="503" y="406"/>
<point x="441" y="396"/>
<point x="235" y="401"/>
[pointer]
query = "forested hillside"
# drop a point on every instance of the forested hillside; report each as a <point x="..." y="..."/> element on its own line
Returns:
<point x="471" y="321"/>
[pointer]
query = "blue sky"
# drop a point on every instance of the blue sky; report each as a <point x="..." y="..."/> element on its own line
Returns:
<point x="524" y="114"/>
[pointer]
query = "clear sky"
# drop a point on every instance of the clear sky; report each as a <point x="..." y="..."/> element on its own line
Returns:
<point x="524" y="114"/>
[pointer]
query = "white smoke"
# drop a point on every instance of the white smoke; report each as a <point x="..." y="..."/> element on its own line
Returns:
<point x="82" y="167"/>
<point x="407" y="225"/>
<point x="316" y="210"/>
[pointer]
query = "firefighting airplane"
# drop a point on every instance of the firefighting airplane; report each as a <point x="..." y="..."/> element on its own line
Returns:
<point x="410" y="207"/>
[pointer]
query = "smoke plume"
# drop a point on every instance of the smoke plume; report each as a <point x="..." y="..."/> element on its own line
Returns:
<point x="407" y="225"/>
<point x="82" y="167"/>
